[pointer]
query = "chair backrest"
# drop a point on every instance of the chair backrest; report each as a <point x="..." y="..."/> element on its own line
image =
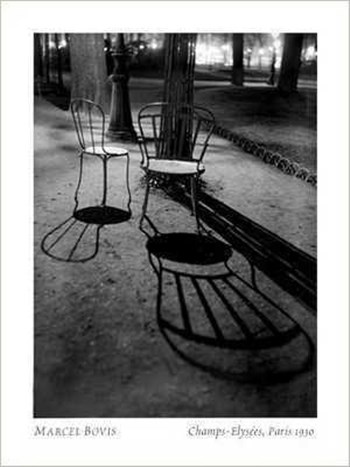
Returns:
<point x="89" y="122"/>
<point x="174" y="132"/>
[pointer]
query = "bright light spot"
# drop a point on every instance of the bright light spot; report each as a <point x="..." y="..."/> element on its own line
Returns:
<point x="277" y="44"/>
<point x="154" y="45"/>
<point x="141" y="47"/>
<point x="310" y="53"/>
<point x="62" y="44"/>
<point x="52" y="45"/>
<point x="261" y="51"/>
<point x="213" y="54"/>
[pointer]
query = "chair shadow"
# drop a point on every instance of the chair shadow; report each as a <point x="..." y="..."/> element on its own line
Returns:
<point x="216" y="320"/>
<point x="291" y="268"/>
<point x="76" y="239"/>
<point x="72" y="241"/>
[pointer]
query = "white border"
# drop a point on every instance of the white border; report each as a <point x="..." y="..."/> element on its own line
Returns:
<point x="164" y="442"/>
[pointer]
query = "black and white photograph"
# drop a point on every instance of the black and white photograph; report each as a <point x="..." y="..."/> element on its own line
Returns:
<point x="175" y="188"/>
<point x="175" y="233"/>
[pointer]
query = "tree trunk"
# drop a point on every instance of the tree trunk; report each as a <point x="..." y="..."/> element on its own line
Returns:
<point x="271" y="80"/>
<point x="290" y="66"/>
<point x="38" y="56"/>
<point x="237" y="69"/>
<point x="89" y="71"/>
<point x="58" y="62"/>
<point x="178" y="90"/>
<point x="179" y="68"/>
<point x="47" y="55"/>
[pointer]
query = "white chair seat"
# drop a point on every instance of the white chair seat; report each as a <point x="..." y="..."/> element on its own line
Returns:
<point x="175" y="167"/>
<point x="109" y="150"/>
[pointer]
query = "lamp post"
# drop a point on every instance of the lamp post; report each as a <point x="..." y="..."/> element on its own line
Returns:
<point x="120" y="123"/>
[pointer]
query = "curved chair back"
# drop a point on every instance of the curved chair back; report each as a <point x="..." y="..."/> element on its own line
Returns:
<point x="89" y="122"/>
<point x="174" y="132"/>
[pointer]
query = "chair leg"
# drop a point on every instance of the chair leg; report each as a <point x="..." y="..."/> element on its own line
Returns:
<point x="76" y="194"/>
<point x="145" y="201"/>
<point x="194" y="194"/>
<point x="104" y="196"/>
<point x="127" y="182"/>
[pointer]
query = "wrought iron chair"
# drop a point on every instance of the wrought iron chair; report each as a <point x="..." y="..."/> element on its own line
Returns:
<point x="173" y="141"/>
<point x="89" y="120"/>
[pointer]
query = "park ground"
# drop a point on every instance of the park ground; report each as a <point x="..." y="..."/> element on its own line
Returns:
<point x="98" y="349"/>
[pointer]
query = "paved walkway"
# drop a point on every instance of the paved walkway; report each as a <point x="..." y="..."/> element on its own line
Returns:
<point x="99" y="351"/>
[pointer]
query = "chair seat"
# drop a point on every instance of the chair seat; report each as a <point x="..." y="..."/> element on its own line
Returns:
<point x="109" y="150"/>
<point x="174" y="167"/>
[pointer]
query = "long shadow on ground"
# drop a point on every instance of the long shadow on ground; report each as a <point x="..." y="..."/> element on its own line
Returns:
<point x="289" y="267"/>
<point x="216" y="320"/>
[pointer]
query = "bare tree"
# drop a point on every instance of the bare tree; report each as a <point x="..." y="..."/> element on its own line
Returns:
<point x="89" y="71"/>
<point x="288" y="80"/>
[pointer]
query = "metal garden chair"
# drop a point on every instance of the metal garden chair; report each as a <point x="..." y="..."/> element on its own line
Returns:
<point x="89" y="120"/>
<point x="173" y="141"/>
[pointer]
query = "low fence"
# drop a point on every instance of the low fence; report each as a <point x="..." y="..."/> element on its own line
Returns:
<point x="266" y="155"/>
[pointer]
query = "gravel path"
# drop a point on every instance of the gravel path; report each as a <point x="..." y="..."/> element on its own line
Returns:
<point x="98" y="349"/>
